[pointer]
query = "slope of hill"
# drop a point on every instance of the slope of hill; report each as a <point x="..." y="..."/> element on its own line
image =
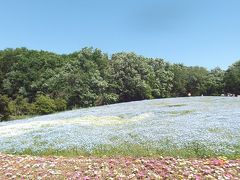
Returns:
<point x="186" y="127"/>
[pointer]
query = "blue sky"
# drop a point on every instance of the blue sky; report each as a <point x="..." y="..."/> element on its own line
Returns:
<point x="193" y="32"/>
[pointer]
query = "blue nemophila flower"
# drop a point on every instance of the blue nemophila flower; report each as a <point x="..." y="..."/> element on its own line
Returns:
<point x="213" y="121"/>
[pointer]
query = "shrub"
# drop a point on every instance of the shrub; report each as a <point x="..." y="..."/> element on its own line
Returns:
<point x="107" y="99"/>
<point x="60" y="104"/>
<point x="20" y="106"/>
<point x="44" y="105"/>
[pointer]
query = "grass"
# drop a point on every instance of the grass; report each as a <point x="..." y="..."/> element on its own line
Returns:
<point x="176" y="105"/>
<point x="226" y="133"/>
<point x="181" y="113"/>
<point x="190" y="150"/>
<point x="162" y="104"/>
<point x="11" y="118"/>
<point x="215" y="130"/>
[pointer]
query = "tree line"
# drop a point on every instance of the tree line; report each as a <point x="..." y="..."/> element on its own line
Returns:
<point x="40" y="82"/>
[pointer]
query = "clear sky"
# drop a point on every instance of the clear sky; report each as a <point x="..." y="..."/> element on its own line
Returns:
<point x="193" y="32"/>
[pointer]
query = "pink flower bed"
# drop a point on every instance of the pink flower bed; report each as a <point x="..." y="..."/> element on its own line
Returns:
<point x="29" y="167"/>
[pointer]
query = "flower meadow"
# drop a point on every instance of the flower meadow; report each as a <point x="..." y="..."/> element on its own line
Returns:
<point x="31" y="167"/>
<point x="203" y="125"/>
<point x="174" y="138"/>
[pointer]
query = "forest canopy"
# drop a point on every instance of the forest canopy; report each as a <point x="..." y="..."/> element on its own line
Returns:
<point x="40" y="82"/>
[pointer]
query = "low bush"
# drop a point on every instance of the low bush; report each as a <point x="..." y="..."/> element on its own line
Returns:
<point x="44" y="105"/>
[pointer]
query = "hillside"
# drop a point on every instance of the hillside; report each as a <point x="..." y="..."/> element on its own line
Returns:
<point x="204" y="126"/>
<point x="176" y="138"/>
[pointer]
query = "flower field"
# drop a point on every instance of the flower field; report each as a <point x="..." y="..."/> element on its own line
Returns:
<point x="28" y="167"/>
<point x="207" y="125"/>
<point x="175" y="138"/>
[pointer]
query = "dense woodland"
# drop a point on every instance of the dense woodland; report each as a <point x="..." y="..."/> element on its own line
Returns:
<point x="40" y="82"/>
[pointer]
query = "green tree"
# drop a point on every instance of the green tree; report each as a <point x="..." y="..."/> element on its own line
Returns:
<point x="215" y="83"/>
<point x="180" y="80"/>
<point x="131" y="75"/>
<point x="88" y="77"/>
<point x="197" y="80"/>
<point x="162" y="80"/>
<point x="4" y="108"/>
<point x="232" y="79"/>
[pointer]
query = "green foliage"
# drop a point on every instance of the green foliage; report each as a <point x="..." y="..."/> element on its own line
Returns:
<point x="232" y="79"/>
<point x="107" y="99"/>
<point x="131" y="75"/>
<point x="215" y="83"/>
<point x="179" y="80"/>
<point x="44" y="105"/>
<point x="60" y="104"/>
<point x="197" y="78"/>
<point x="190" y="150"/>
<point x="89" y="77"/>
<point x="161" y="81"/>
<point x="197" y="81"/>
<point x="4" y="108"/>
<point x="20" y="106"/>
